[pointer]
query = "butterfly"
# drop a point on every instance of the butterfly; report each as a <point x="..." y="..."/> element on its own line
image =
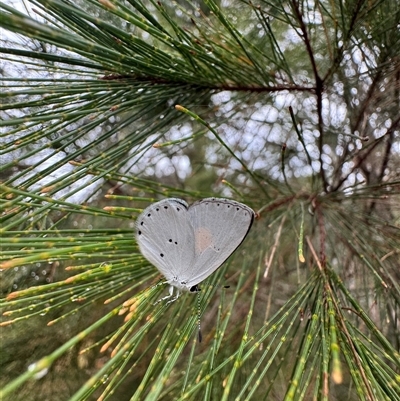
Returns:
<point x="188" y="243"/>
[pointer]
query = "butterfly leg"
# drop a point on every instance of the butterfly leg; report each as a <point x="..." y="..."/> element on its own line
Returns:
<point x="175" y="298"/>
<point x="171" y="294"/>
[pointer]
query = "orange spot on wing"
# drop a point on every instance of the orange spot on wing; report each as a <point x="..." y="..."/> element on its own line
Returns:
<point x="203" y="238"/>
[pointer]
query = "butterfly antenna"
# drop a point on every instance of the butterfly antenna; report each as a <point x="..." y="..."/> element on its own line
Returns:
<point x="199" y="315"/>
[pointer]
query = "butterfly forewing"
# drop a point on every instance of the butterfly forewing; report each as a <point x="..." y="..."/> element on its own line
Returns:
<point x="220" y="226"/>
<point x="165" y="236"/>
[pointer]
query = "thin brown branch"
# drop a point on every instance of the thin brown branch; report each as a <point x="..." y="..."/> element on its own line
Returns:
<point x="370" y="392"/>
<point x="319" y="87"/>
<point x="341" y="321"/>
<point x="314" y="254"/>
<point x="322" y="235"/>
<point x="363" y="155"/>
<point x="268" y="262"/>
<point x="390" y="132"/>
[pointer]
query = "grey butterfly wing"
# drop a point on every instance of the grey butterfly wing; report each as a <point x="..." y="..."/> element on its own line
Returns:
<point x="220" y="226"/>
<point x="165" y="236"/>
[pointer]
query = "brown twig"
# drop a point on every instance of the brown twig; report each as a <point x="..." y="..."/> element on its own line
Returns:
<point x="319" y="87"/>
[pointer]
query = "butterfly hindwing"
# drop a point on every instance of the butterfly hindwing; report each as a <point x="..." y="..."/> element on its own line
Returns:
<point x="220" y="226"/>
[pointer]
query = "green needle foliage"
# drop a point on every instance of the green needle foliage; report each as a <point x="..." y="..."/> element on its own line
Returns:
<point x="291" y="107"/>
